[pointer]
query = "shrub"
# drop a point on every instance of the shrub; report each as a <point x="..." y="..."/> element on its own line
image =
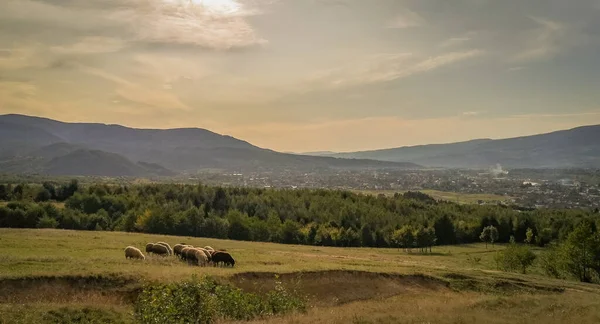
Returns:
<point x="206" y="301"/>
<point x="47" y="222"/>
<point x="515" y="258"/>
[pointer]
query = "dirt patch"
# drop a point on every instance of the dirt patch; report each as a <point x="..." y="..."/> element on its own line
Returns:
<point x="327" y="288"/>
<point x="69" y="289"/>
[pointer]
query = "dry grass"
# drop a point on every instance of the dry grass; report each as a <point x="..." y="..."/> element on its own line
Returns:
<point x="458" y="307"/>
<point x="458" y="284"/>
<point x="31" y="252"/>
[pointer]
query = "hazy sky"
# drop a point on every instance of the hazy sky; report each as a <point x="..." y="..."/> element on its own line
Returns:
<point x="307" y="75"/>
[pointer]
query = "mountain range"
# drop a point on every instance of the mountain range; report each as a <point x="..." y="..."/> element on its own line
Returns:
<point x="573" y="148"/>
<point x="40" y="145"/>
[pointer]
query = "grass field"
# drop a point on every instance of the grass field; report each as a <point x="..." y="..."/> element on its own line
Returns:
<point x="57" y="271"/>
<point x="457" y="197"/>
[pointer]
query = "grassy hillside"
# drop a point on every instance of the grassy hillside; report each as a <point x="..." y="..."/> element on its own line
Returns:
<point x="63" y="273"/>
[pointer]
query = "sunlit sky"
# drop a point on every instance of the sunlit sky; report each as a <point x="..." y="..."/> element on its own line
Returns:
<point x="307" y="75"/>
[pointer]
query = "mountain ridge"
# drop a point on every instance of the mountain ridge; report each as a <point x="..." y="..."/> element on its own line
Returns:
<point x="185" y="150"/>
<point x="575" y="147"/>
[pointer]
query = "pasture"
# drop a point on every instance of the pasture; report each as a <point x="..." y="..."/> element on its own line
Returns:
<point x="50" y="274"/>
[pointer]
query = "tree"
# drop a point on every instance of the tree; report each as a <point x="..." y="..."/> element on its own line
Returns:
<point x="444" y="229"/>
<point x="489" y="235"/>
<point x="4" y="192"/>
<point x="366" y="236"/>
<point x="581" y="253"/>
<point x="529" y="237"/>
<point x="515" y="258"/>
<point x="404" y="238"/>
<point x="290" y="232"/>
<point x="50" y="188"/>
<point x="47" y="222"/>
<point x="431" y="238"/>
<point x="43" y="195"/>
<point x="421" y="238"/>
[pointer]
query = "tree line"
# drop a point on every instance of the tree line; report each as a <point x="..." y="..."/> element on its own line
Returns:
<point x="304" y="216"/>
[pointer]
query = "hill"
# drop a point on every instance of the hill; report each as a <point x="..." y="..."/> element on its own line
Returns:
<point x="578" y="147"/>
<point x="28" y="138"/>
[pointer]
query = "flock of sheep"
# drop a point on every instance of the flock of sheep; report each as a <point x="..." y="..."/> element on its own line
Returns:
<point x="197" y="256"/>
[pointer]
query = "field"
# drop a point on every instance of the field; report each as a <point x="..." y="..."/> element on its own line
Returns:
<point x="45" y="274"/>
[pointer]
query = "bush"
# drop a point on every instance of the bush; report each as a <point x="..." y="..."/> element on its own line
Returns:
<point x="515" y="258"/>
<point x="206" y="301"/>
<point x="47" y="222"/>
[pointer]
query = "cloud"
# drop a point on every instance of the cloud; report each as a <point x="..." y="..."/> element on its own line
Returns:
<point x="388" y="67"/>
<point x="406" y="19"/>
<point x="516" y="68"/>
<point x="91" y="45"/>
<point x="214" y="24"/>
<point x="471" y="113"/>
<point x="179" y="22"/>
<point x="21" y="57"/>
<point x="454" y="41"/>
<point x="146" y="94"/>
<point x="545" y="41"/>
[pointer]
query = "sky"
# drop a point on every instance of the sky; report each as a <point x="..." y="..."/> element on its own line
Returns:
<point x="307" y="75"/>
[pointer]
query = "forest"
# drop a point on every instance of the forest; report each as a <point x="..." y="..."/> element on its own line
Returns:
<point x="311" y="217"/>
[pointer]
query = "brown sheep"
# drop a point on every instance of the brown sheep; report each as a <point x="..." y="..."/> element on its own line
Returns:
<point x="160" y="250"/>
<point x="167" y="246"/>
<point x="177" y="249"/>
<point x="149" y="247"/>
<point x="223" y="257"/>
<point x="134" y="253"/>
<point x="186" y="254"/>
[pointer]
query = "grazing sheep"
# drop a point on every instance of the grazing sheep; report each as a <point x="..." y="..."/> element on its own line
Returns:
<point x="223" y="257"/>
<point x="134" y="253"/>
<point x="167" y="246"/>
<point x="207" y="253"/>
<point x="208" y="248"/>
<point x="149" y="247"/>
<point x="185" y="253"/>
<point x="200" y="257"/>
<point x="177" y="249"/>
<point x="191" y="256"/>
<point x="160" y="250"/>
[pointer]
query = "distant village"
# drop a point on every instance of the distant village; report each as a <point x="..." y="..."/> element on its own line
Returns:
<point x="531" y="188"/>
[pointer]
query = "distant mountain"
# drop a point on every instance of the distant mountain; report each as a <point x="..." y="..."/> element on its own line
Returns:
<point x="94" y="163"/>
<point x="32" y="144"/>
<point x="578" y="147"/>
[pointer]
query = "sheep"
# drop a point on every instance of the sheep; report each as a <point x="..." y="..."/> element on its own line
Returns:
<point x="223" y="257"/>
<point x="200" y="257"/>
<point x="177" y="249"/>
<point x="207" y="253"/>
<point x="208" y="248"/>
<point x="149" y="247"/>
<point x="160" y="250"/>
<point x="167" y="246"/>
<point x="134" y="253"/>
<point x="185" y="252"/>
